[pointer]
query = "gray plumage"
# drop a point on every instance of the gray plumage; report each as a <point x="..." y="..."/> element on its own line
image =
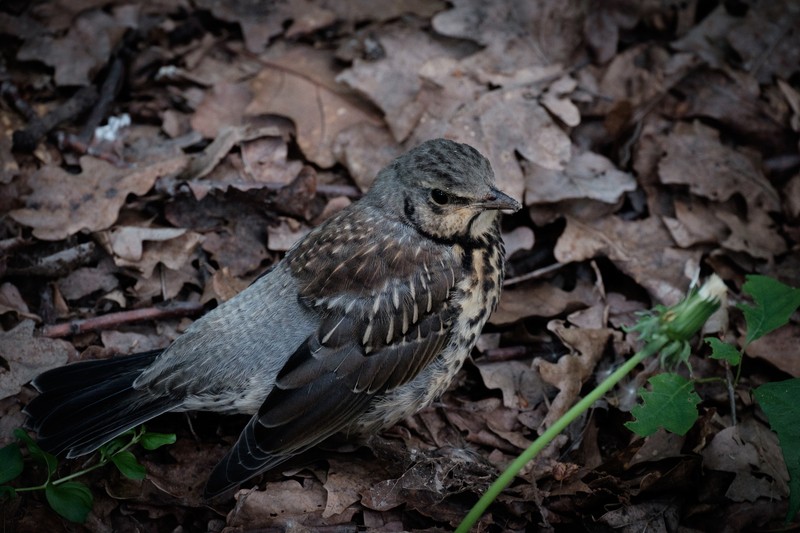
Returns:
<point x="365" y="321"/>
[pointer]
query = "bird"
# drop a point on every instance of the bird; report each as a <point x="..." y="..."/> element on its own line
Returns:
<point x="365" y="320"/>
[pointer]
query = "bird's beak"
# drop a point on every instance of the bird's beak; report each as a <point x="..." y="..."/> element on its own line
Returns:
<point x="499" y="200"/>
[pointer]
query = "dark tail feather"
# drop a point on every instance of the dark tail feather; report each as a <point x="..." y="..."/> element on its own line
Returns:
<point x="84" y="405"/>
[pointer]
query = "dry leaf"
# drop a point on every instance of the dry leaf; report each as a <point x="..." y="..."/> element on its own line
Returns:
<point x="695" y="223"/>
<point x="520" y="238"/>
<point x="143" y="248"/>
<point x="757" y="235"/>
<point x="86" y="47"/>
<point x="299" y="82"/>
<point x="344" y="484"/>
<point x="364" y="149"/>
<point x="556" y="100"/>
<point x="586" y="176"/>
<point x="541" y="299"/>
<point x="521" y="385"/>
<point x="779" y="348"/>
<point x="642" y="249"/>
<point x="570" y="371"/>
<point x="515" y="34"/>
<point x="284" y="503"/>
<point x="746" y="449"/>
<point x="285" y="234"/>
<point x="223" y="106"/>
<point x="119" y="342"/>
<point x="363" y="10"/>
<point x="696" y="157"/>
<point x="393" y="82"/>
<point x="24" y="356"/>
<point x="11" y="301"/>
<point x="86" y="280"/>
<point x="63" y="204"/>
<point x="261" y="22"/>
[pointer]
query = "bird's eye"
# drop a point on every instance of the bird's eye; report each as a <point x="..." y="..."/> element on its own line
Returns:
<point x="439" y="196"/>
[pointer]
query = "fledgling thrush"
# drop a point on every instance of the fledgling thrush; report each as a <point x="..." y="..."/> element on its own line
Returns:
<point x="365" y="321"/>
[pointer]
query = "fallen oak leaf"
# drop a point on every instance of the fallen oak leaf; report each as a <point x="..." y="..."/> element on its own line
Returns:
<point x="299" y="82"/>
<point x="25" y="356"/>
<point x="541" y="299"/>
<point x="570" y="372"/>
<point x="63" y="204"/>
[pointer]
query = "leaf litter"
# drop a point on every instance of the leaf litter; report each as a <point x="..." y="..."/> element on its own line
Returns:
<point x="647" y="141"/>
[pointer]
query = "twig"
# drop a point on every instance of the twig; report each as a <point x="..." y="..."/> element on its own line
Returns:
<point x="541" y="272"/>
<point x="58" y="264"/>
<point x="74" y="143"/>
<point x="729" y="386"/>
<point x="108" y="93"/>
<point x="113" y="320"/>
<point x="11" y="93"/>
<point x="9" y="245"/>
<point x="27" y="139"/>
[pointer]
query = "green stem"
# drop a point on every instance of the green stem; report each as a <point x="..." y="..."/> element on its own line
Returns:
<point x="30" y="489"/>
<point x="102" y="462"/>
<point x="552" y="432"/>
<point x="79" y="473"/>
<point x="104" y="459"/>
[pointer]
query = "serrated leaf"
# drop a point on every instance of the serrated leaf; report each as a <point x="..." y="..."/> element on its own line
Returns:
<point x="11" y="463"/>
<point x="779" y="402"/>
<point x="672" y="405"/>
<point x="724" y="351"/>
<point x="126" y="462"/>
<point x="47" y="459"/>
<point x="72" y="500"/>
<point x="153" y="441"/>
<point x="774" y="304"/>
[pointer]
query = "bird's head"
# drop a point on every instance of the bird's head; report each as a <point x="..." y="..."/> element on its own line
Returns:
<point x="444" y="189"/>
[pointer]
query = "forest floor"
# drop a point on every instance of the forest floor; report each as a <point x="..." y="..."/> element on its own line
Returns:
<point x="651" y="142"/>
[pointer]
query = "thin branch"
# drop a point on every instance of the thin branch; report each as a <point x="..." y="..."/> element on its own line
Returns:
<point x="114" y="320"/>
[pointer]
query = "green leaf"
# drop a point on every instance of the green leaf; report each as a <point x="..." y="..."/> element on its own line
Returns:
<point x="126" y="462"/>
<point x="47" y="459"/>
<point x="71" y="499"/>
<point x="775" y="303"/>
<point x="117" y="443"/>
<point x="779" y="401"/>
<point x="7" y="491"/>
<point x="153" y="441"/>
<point x="11" y="464"/>
<point x="723" y="350"/>
<point x="672" y="404"/>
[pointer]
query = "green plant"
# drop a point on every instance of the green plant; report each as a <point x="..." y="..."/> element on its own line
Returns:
<point x="73" y="499"/>
<point x="672" y="401"/>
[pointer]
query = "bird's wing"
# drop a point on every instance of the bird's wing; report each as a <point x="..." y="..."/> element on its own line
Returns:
<point x="386" y="313"/>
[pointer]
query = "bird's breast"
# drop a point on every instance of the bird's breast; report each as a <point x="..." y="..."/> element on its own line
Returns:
<point x="476" y="298"/>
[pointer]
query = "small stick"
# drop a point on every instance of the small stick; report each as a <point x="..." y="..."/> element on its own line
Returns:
<point x="533" y="275"/>
<point x="27" y="139"/>
<point x="58" y="264"/>
<point x="113" y="320"/>
<point x="108" y="93"/>
<point x="11" y="93"/>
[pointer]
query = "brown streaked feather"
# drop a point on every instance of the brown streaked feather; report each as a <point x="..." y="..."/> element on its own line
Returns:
<point x="385" y="324"/>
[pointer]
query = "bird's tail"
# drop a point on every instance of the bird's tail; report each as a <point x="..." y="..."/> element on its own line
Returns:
<point x="82" y="406"/>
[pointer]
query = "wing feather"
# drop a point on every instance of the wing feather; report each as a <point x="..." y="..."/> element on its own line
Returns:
<point x="389" y="318"/>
